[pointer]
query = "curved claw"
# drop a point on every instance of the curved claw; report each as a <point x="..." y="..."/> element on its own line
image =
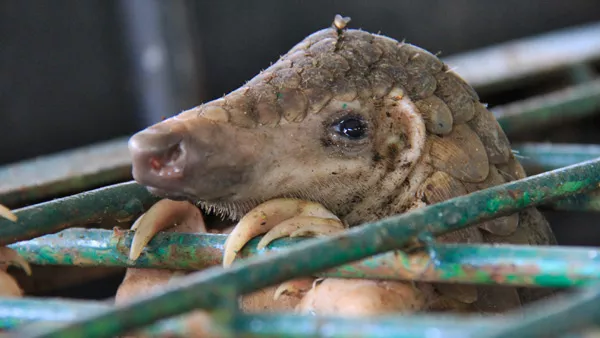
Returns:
<point x="301" y="226"/>
<point x="6" y="213"/>
<point x="264" y="217"/>
<point x="164" y="214"/>
<point x="9" y="256"/>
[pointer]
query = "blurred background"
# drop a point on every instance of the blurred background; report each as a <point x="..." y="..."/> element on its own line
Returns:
<point x="77" y="72"/>
<point x="80" y="73"/>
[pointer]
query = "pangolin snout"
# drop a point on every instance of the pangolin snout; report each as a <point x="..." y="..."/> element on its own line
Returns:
<point x="158" y="155"/>
<point x="196" y="159"/>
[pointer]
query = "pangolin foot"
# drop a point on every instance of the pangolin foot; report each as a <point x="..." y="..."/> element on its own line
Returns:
<point x="6" y="213"/>
<point x="279" y="218"/>
<point x="162" y="215"/>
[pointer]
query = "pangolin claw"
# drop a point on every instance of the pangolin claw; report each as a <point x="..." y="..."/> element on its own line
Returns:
<point x="268" y="215"/>
<point x="10" y="257"/>
<point x="6" y="213"/>
<point x="164" y="214"/>
<point x="301" y="226"/>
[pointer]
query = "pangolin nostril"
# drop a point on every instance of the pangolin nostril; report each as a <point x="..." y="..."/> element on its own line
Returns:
<point x="168" y="163"/>
<point x="157" y="153"/>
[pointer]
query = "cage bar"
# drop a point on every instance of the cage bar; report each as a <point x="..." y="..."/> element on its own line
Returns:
<point x="517" y="265"/>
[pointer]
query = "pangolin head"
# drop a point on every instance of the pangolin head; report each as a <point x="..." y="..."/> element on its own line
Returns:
<point x="335" y="120"/>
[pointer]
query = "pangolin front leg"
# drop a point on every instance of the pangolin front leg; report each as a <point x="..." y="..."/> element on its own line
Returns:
<point x="280" y="218"/>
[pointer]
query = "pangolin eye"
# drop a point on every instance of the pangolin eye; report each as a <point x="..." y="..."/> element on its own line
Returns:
<point x="353" y="128"/>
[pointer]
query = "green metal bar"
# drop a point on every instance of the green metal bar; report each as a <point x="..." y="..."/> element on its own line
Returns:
<point x="462" y="263"/>
<point x="581" y="72"/>
<point x="295" y="326"/>
<point x="553" y="317"/>
<point x="120" y="202"/>
<point x="53" y="313"/>
<point x="18" y="311"/>
<point x="314" y="255"/>
<point x="541" y="157"/>
<point x="564" y="105"/>
<point x="65" y="172"/>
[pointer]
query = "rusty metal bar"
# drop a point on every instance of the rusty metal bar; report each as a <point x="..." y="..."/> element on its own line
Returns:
<point x="460" y="263"/>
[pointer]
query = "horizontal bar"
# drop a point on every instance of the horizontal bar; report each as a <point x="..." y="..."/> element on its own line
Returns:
<point x="56" y="312"/>
<point x="462" y="263"/>
<point x="553" y="317"/>
<point x="541" y="157"/>
<point x="311" y="256"/>
<point x="53" y="312"/>
<point x="557" y="107"/>
<point x="518" y="59"/>
<point x="120" y="203"/>
<point x="15" y="311"/>
<point x="65" y="172"/>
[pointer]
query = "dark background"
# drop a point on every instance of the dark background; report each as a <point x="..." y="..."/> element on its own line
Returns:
<point x="72" y="72"/>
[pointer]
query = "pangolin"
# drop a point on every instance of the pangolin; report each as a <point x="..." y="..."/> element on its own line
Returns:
<point x="347" y="127"/>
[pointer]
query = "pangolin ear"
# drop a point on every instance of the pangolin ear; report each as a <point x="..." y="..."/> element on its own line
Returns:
<point x="403" y="139"/>
<point x="400" y="141"/>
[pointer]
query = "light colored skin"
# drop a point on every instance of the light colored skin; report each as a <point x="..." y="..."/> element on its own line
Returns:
<point x="291" y="132"/>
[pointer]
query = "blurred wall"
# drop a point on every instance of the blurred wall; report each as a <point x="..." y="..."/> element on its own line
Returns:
<point x="70" y="71"/>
